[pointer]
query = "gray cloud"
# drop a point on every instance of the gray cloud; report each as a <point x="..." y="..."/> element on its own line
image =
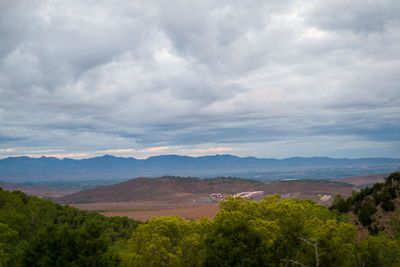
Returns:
<point x="357" y="16"/>
<point x="265" y="79"/>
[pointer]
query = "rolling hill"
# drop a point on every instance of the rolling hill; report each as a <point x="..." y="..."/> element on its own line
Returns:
<point x="177" y="189"/>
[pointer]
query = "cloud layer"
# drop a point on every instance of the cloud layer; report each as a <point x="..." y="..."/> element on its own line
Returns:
<point x="269" y="79"/>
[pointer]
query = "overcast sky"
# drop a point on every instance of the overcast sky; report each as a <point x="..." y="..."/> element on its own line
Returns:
<point x="277" y="78"/>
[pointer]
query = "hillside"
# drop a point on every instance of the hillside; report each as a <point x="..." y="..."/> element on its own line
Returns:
<point x="176" y="189"/>
<point x="22" y="169"/>
<point x="37" y="190"/>
<point x="38" y="232"/>
<point x="375" y="208"/>
<point x="160" y="189"/>
<point x="364" y="180"/>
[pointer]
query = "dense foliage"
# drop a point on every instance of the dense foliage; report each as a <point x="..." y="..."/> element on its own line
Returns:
<point x="38" y="232"/>
<point x="272" y="232"/>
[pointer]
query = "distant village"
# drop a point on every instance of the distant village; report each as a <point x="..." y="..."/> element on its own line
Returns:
<point x="245" y="195"/>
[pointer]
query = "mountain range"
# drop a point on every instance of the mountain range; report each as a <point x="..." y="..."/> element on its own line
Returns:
<point x="27" y="169"/>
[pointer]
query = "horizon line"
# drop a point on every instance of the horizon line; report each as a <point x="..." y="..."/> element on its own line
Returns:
<point x="177" y="155"/>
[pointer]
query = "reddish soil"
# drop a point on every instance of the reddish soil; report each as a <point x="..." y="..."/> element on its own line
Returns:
<point x="187" y="212"/>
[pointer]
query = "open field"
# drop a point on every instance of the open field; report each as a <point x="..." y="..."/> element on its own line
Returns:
<point x="144" y="211"/>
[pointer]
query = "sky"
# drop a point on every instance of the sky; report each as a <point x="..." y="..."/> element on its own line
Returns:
<point x="277" y="78"/>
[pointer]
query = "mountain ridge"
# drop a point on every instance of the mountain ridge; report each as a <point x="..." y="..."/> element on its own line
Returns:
<point x="107" y="167"/>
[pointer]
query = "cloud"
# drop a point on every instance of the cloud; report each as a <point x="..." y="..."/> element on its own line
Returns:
<point x="121" y="150"/>
<point x="60" y="156"/>
<point x="84" y="77"/>
<point x="135" y="151"/>
<point x="358" y="16"/>
<point x="6" y="150"/>
<point x="154" y="149"/>
<point x="209" y="150"/>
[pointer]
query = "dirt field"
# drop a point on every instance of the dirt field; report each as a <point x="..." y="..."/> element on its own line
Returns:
<point x="144" y="211"/>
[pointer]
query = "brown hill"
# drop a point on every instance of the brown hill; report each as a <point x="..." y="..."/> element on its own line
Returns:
<point x="160" y="189"/>
<point x="364" y="180"/>
<point x="179" y="190"/>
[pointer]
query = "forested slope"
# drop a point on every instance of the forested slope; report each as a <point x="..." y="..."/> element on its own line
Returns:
<point x="38" y="232"/>
<point x="375" y="208"/>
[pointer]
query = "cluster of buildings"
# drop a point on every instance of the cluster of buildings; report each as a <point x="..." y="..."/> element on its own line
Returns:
<point x="249" y="195"/>
<point x="216" y="195"/>
<point x="245" y="195"/>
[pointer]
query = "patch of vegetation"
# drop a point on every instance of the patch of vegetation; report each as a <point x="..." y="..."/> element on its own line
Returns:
<point x="316" y="181"/>
<point x="229" y="180"/>
<point x="182" y="179"/>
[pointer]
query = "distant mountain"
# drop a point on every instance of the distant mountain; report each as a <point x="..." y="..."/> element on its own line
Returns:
<point x="190" y="190"/>
<point x="23" y="169"/>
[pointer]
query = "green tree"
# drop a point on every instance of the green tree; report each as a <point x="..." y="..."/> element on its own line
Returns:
<point x="366" y="211"/>
<point x="278" y="231"/>
<point x="378" y="250"/>
<point x="8" y="243"/>
<point x="64" y="246"/>
<point x="166" y="241"/>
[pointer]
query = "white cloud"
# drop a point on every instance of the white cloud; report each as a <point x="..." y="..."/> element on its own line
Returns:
<point x="2" y="150"/>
